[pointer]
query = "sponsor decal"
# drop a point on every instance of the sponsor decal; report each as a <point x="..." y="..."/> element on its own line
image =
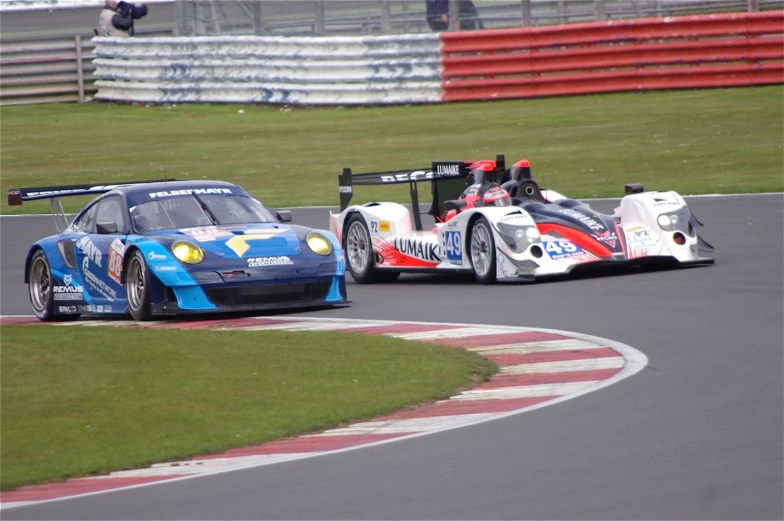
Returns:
<point x="641" y="238"/>
<point x="590" y="222"/>
<point x="453" y="244"/>
<point x="67" y="279"/>
<point x="156" y="256"/>
<point x="514" y="217"/>
<point x="379" y="226"/>
<point x="258" y="262"/>
<point x="188" y="191"/>
<point x="345" y="190"/>
<point x="411" y="176"/>
<point x="106" y="308"/>
<point x="448" y="170"/>
<point x="54" y="193"/>
<point x="239" y="243"/>
<point x="164" y="268"/>
<point x="100" y="286"/>
<point x="116" y="254"/>
<point x="667" y="203"/>
<point x="206" y="234"/>
<point x="67" y="309"/>
<point x="421" y="250"/>
<point x="90" y="250"/>
<point x="67" y="292"/>
<point x="452" y="224"/>
<point x="608" y="238"/>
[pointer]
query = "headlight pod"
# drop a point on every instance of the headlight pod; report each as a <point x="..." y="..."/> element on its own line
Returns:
<point x="518" y="237"/>
<point x="677" y="220"/>
<point x="187" y="252"/>
<point x="319" y="244"/>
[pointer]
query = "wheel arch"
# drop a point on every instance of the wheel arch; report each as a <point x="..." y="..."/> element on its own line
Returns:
<point x="29" y="258"/>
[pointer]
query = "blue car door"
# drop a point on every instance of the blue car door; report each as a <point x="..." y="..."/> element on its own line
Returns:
<point x="99" y="254"/>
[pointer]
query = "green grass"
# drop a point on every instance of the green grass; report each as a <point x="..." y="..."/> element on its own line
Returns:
<point x="80" y="401"/>
<point x="700" y="141"/>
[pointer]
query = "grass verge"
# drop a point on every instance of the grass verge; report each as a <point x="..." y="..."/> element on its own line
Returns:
<point x="691" y="141"/>
<point x="82" y="401"/>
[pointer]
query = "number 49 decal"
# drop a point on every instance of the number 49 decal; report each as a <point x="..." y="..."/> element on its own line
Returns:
<point x="559" y="247"/>
<point x="454" y="247"/>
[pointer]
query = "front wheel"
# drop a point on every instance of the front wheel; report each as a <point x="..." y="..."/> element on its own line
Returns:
<point x="482" y="248"/>
<point x="359" y="253"/>
<point x="137" y="287"/>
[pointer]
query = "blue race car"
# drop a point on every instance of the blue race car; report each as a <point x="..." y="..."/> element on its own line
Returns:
<point x="176" y="247"/>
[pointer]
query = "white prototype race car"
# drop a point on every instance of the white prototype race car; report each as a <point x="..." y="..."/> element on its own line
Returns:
<point x="499" y="225"/>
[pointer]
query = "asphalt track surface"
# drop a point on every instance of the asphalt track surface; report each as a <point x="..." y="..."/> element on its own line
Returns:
<point x="696" y="435"/>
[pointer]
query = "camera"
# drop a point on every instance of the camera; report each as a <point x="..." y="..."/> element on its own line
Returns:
<point x="126" y="9"/>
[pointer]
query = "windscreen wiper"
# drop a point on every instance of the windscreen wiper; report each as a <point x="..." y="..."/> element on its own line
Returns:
<point x="206" y="209"/>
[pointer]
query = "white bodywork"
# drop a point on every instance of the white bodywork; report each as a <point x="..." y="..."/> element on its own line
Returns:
<point x="523" y="250"/>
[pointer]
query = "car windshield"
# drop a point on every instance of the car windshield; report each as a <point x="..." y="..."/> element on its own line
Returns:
<point x="203" y="210"/>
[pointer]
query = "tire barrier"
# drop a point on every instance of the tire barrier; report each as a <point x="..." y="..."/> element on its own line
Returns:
<point x="721" y="50"/>
<point x="278" y="70"/>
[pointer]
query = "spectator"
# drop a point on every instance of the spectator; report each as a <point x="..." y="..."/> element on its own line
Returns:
<point x="437" y="15"/>
<point x="469" y="18"/>
<point x="116" y="18"/>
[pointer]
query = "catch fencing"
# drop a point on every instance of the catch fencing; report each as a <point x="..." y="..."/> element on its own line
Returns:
<point x="722" y="50"/>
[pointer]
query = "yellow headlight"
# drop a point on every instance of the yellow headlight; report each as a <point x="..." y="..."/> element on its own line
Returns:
<point x="319" y="244"/>
<point x="187" y="252"/>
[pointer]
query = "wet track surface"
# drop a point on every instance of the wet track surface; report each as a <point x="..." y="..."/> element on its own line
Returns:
<point x="696" y="435"/>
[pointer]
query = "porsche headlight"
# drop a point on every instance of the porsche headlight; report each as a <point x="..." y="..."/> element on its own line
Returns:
<point x="664" y="220"/>
<point x="319" y="244"/>
<point x="187" y="252"/>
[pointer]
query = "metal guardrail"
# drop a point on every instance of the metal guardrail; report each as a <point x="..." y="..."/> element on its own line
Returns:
<point x="46" y="70"/>
<point x="49" y="70"/>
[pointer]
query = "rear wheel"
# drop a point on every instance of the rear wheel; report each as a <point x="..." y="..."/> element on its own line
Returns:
<point x="359" y="253"/>
<point x="482" y="248"/>
<point x="40" y="289"/>
<point x="137" y="287"/>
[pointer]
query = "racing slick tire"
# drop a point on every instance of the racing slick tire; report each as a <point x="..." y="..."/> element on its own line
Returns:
<point x="137" y="287"/>
<point x="481" y="246"/>
<point x="39" y="289"/>
<point x="359" y="253"/>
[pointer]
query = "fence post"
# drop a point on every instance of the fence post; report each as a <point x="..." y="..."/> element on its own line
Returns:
<point x="454" y="16"/>
<point x="598" y="8"/>
<point x="258" y="29"/>
<point x="753" y="6"/>
<point x="386" y="21"/>
<point x="181" y="13"/>
<point x="319" y="28"/>
<point x="79" y="67"/>
<point x="525" y="13"/>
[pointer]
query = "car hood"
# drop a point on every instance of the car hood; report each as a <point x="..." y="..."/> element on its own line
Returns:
<point x="241" y="241"/>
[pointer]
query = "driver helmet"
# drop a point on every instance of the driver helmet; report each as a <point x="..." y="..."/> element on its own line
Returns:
<point x="496" y="196"/>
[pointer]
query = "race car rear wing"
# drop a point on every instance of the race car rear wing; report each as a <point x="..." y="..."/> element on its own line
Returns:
<point x="17" y="195"/>
<point x="447" y="179"/>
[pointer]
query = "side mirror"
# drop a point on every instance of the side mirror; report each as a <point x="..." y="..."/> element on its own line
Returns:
<point x="283" y="216"/>
<point x="107" y="228"/>
<point x="633" y="189"/>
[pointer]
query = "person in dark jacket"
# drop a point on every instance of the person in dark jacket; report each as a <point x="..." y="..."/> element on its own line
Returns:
<point x="437" y="15"/>
<point x="116" y="18"/>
